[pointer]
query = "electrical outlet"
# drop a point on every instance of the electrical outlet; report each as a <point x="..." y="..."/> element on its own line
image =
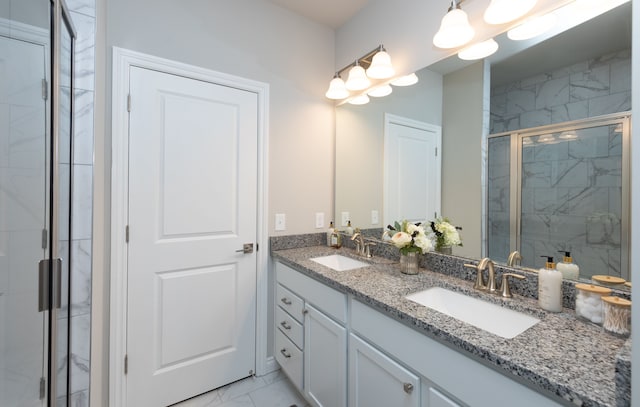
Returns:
<point x="345" y="218"/>
<point x="375" y="219"/>
<point x="280" y="221"/>
<point x="319" y="220"/>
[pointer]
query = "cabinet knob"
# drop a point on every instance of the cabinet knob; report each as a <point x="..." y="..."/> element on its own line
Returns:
<point x="286" y="301"/>
<point x="285" y="353"/>
<point x="285" y="325"/>
<point x="408" y="388"/>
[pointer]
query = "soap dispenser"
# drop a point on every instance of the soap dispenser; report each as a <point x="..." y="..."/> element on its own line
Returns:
<point x="550" y="287"/>
<point x="568" y="268"/>
<point x="349" y="229"/>
<point x="329" y="233"/>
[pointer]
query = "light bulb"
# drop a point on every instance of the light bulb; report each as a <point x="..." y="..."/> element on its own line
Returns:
<point x="455" y="30"/>
<point x="480" y="50"/>
<point x="505" y="11"/>
<point x="337" y="90"/>
<point x="357" y="79"/>
<point x="381" y="67"/>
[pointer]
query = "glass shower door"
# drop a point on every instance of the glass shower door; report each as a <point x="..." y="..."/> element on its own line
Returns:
<point x="24" y="175"/>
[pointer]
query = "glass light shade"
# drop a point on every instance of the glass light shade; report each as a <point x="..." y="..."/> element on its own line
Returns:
<point x="478" y="51"/>
<point x="568" y="135"/>
<point x="381" y="67"/>
<point x="359" y="100"/>
<point x="337" y="90"/>
<point x="532" y="27"/>
<point x="505" y="11"/>
<point x="546" y="138"/>
<point x="455" y="30"/>
<point x="380" y="91"/>
<point x="406" y="80"/>
<point x="357" y="79"/>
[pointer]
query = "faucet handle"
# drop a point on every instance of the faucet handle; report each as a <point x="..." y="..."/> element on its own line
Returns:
<point x="367" y="250"/>
<point x="479" y="284"/>
<point x="505" y="289"/>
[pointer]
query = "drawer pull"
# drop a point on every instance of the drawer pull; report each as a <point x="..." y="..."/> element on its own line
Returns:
<point x="286" y="301"/>
<point x="408" y="388"/>
<point x="285" y="353"/>
<point x="285" y="325"/>
<point x="305" y="311"/>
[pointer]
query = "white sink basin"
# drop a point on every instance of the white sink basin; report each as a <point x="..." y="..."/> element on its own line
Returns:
<point x="490" y="317"/>
<point x="339" y="263"/>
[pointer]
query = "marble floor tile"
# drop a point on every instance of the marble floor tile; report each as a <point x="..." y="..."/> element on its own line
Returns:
<point x="271" y="390"/>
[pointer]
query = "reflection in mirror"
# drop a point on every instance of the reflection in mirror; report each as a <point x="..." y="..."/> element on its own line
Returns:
<point x="539" y="86"/>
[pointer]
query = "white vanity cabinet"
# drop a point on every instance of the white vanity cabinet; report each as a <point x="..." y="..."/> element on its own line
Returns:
<point x="321" y="371"/>
<point x="377" y="380"/>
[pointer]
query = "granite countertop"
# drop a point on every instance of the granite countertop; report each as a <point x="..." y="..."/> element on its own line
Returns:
<point x="560" y="355"/>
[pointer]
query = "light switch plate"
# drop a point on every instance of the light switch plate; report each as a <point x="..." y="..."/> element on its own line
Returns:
<point x="319" y="220"/>
<point x="345" y="218"/>
<point x="375" y="219"/>
<point x="280" y="222"/>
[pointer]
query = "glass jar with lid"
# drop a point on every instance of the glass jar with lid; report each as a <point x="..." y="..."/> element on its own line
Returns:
<point x="589" y="302"/>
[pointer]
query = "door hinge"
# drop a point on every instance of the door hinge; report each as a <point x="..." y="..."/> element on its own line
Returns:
<point x="126" y="364"/>
<point x="129" y="103"/>
<point x="436" y="151"/>
<point x="43" y="385"/>
<point x="45" y="239"/>
<point x="126" y="233"/>
<point x="257" y="247"/>
<point x="435" y="215"/>
<point x="45" y="89"/>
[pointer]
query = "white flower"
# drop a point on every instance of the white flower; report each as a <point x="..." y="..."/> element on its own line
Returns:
<point x="424" y="243"/>
<point x="401" y="239"/>
<point x="411" y="229"/>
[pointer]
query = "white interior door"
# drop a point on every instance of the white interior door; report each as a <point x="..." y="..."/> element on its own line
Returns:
<point x="192" y="206"/>
<point x="412" y="168"/>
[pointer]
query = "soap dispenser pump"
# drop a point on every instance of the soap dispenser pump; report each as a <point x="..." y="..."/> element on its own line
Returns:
<point x="550" y="287"/>
<point x="568" y="268"/>
<point x="349" y="229"/>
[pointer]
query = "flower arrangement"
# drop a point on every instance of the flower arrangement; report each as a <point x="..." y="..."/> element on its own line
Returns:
<point x="410" y="237"/>
<point x="446" y="235"/>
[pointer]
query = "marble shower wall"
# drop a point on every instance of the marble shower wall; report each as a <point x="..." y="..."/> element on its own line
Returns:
<point x="591" y="88"/>
<point x="571" y="189"/>
<point x="83" y="17"/>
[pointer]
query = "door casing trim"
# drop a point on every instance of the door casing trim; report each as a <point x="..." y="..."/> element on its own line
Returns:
<point x="123" y="60"/>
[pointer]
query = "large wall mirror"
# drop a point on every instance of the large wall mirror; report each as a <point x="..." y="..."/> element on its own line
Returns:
<point x="532" y="96"/>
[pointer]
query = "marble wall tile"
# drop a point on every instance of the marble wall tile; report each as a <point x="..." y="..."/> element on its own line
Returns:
<point x="85" y="51"/>
<point x="555" y="151"/>
<point x="570" y="111"/>
<point x="546" y="200"/>
<point x="620" y="76"/>
<point x="80" y="399"/>
<point x="80" y="277"/>
<point x="606" y="172"/>
<point x="615" y="142"/>
<point x="567" y="231"/>
<point x="553" y="92"/>
<point x="585" y="201"/>
<point x="80" y="352"/>
<point x="83" y="127"/>
<point x="26" y="137"/>
<point x="521" y="100"/>
<point x="535" y="80"/>
<point x="571" y="69"/>
<point x="82" y="202"/>
<point x="87" y="7"/>
<point x="536" y="174"/>
<point x="591" y="142"/>
<point x="498" y="104"/>
<point x="65" y="126"/>
<point x="590" y="84"/>
<point x="617" y="102"/>
<point x="22" y="196"/>
<point x="535" y="118"/>
<point x="569" y="173"/>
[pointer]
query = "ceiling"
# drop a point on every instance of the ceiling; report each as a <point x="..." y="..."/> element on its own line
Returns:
<point x="332" y="13"/>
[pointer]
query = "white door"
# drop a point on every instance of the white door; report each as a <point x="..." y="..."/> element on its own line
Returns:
<point x="325" y="360"/>
<point x="192" y="205"/>
<point x="411" y="170"/>
<point x="377" y="380"/>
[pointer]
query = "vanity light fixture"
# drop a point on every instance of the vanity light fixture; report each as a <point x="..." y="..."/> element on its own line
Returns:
<point x="479" y="50"/>
<point x="532" y="27"/>
<point x="455" y="30"/>
<point x="406" y="80"/>
<point x="505" y="11"/>
<point x="546" y="138"/>
<point x="337" y="88"/>
<point x="568" y="135"/>
<point x="381" y="67"/>
<point x="380" y="91"/>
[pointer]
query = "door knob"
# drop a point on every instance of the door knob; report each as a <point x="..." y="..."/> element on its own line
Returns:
<point x="408" y="388"/>
<point x="247" y="248"/>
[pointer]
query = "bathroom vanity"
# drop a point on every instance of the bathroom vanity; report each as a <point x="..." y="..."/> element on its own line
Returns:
<point x="351" y="338"/>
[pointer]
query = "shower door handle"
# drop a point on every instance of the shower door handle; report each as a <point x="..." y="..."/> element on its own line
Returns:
<point x="45" y="282"/>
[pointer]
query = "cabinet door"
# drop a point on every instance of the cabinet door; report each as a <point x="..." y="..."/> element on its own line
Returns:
<point x="376" y="380"/>
<point x="434" y="398"/>
<point x="325" y="360"/>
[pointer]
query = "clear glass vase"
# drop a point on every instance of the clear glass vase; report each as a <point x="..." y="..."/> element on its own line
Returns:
<point x="409" y="263"/>
<point x="444" y="249"/>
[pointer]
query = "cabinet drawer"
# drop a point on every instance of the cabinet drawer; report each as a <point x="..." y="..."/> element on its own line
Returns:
<point x="290" y="303"/>
<point x="331" y="302"/>
<point x="290" y="327"/>
<point x="290" y="359"/>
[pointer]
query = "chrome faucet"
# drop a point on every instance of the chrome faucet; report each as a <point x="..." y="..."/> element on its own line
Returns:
<point x="514" y="257"/>
<point x="490" y="285"/>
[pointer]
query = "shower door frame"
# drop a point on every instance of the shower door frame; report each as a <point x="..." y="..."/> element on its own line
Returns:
<point x="515" y="177"/>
